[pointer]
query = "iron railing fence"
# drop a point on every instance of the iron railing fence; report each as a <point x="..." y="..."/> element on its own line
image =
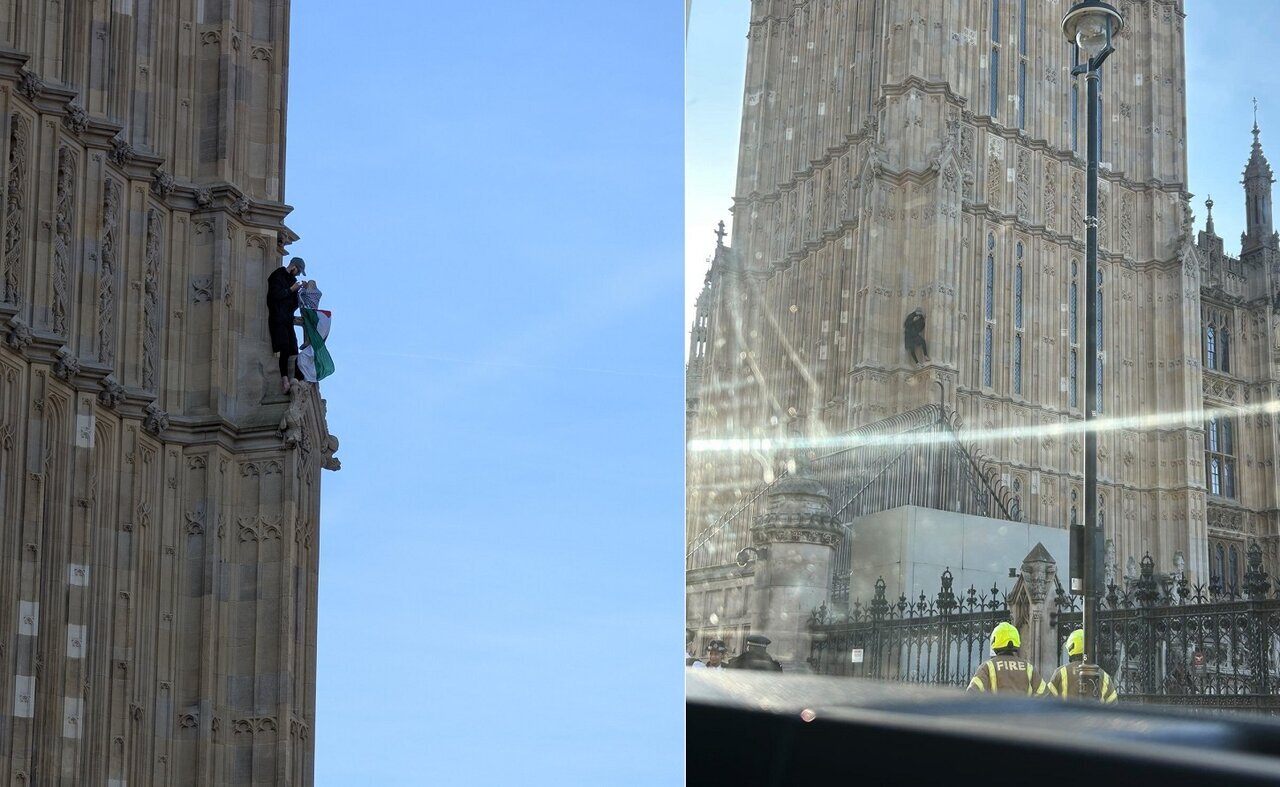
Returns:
<point x="937" y="641"/>
<point x="1167" y="641"/>
<point x="1162" y="639"/>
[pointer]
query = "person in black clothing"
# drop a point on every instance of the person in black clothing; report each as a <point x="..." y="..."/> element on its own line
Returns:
<point x="755" y="657"/>
<point x="913" y="336"/>
<point x="282" y="302"/>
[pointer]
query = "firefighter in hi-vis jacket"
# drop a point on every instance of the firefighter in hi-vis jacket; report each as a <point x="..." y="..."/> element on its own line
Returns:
<point x="1066" y="680"/>
<point x="1006" y="672"/>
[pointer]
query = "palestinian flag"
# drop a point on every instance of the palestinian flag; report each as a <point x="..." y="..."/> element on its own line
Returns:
<point x="315" y="361"/>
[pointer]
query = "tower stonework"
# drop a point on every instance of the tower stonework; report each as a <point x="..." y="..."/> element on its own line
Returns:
<point x="159" y="497"/>
<point x="907" y="154"/>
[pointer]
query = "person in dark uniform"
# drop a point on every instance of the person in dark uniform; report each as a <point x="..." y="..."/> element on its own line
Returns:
<point x="1006" y="672"/>
<point x="755" y="656"/>
<point x="715" y="654"/>
<point x="282" y="302"/>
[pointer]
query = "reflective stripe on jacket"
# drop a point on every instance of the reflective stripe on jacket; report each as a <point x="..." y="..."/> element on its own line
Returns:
<point x="1066" y="684"/>
<point x="1009" y="675"/>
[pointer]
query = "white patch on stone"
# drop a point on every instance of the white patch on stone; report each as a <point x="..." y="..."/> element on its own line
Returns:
<point x="75" y="641"/>
<point x="24" y="696"/>
<point x="72" y="709"/>
<point x="77" y="574"/>
<point x="788" y="135"/>
<point x="122" y="7"/>
<point x="29" y="617"/>
<point x="1010" y="174"/>
<point x="822" y="107"/>
<point x="1137" y="79"/>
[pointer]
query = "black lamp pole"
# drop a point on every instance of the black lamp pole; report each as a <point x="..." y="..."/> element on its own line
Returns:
<point x="1091" y="26"/>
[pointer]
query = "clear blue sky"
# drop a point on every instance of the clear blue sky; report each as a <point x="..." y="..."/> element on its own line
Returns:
<point x="489" y="195"/>
<point x="1231" y="57"/>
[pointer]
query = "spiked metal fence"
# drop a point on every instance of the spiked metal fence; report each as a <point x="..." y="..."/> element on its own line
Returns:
<point x="1167" y="641"/>
<point x="1164" y="640"/>
<point x="940" y="640"/>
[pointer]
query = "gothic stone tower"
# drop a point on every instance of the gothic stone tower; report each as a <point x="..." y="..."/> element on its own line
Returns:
<point x="159" y="499"/>
<point x="1240" y="361"/>
<point x="909" y="153"/>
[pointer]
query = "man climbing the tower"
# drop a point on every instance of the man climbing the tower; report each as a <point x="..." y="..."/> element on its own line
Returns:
<point x="282" y="301"/>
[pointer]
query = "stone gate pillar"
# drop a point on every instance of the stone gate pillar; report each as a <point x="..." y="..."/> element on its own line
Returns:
<point x="797" y="538"/>
<point x="1031" y="604"/>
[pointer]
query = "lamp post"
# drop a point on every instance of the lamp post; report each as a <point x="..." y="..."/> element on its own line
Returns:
<point x="1091" y="25"/>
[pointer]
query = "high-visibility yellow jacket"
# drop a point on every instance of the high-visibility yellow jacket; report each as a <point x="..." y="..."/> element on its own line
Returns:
<point x="1066" y="684"/>
<point x="1009" y="674"/>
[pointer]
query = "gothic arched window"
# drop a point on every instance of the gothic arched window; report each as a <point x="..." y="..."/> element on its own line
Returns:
<point x="1220" y="456"/>
<point x="1073" y="335"/>
<point x="990" y="288"/>
<point x="986" y="356"/>
<point x="1017" y="297"/>
<point x="1210" y="347"/>
<point x="993" y="66"/>
<point x="1075" y="117"/>
<point x="989" y="309"/>
<point x="1225" y="352"/>
<point x="1219" y="563"/>
<point x="1022" y="64"/>
<point x="1073" y="312"/>
<point x="1017" y="363"/>
<point x="1073" y="380"/>
<point x="1233" y="570"/>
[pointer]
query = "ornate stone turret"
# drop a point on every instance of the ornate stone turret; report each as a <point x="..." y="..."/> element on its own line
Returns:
<point x="797" y="538"/>
<point x="1257" y="182"/>
<point x="1031" y="606"/>
<point x="700" y="332"/>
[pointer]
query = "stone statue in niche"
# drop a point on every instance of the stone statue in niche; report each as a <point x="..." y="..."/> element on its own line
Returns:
<point x="913" y="336"/>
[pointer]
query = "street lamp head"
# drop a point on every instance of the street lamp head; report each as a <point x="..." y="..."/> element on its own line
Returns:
<point x="1091" y="25"/>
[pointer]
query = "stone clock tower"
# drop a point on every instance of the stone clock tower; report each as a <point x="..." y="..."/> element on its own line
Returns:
<point x="159" y="500"/>
<point x="907" y="155"/>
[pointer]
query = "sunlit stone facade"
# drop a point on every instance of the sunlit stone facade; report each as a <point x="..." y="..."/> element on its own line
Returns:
<point x="159" y="498"/>
<point x="901" y="155"/>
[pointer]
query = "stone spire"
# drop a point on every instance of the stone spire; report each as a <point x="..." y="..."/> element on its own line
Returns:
<point x="1257" y="197"/>
<point x="1208" y="222"/>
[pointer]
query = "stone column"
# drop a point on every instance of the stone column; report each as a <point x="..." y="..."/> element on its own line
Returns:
<point x="1031" y="605"/>
<point x="797" y="538"/>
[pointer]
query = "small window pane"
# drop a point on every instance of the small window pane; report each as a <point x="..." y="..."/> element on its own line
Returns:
<point x="1017" y="364"/>
<point x="1017" y="297"/>
<point x="986" y="357"/>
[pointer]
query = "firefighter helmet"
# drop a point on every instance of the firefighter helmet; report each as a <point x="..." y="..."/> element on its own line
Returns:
<point x="1004" y="636"/>
<point x="1075" y="643"/>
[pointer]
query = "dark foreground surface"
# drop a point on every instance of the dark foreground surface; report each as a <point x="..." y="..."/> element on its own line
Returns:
<point x="755" y="728"/>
